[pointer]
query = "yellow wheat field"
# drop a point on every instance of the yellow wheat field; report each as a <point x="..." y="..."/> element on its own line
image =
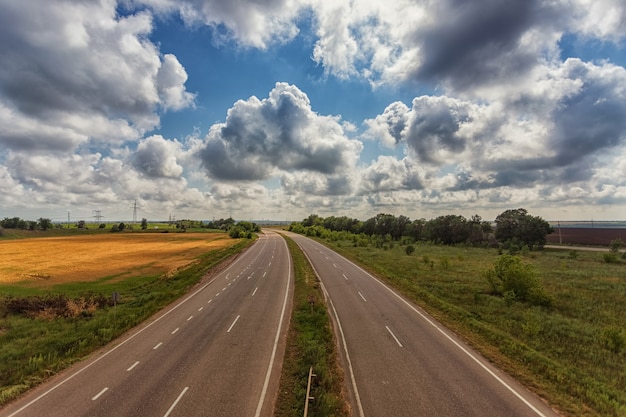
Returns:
<point x="90" y="257"/>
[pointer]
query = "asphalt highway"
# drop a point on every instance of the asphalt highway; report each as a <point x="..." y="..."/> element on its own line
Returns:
<point x="215" y="352"/>
<point x="399" y="361"/>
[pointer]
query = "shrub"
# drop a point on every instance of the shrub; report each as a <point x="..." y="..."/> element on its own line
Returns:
<point x="614" y="339"/>
<point x="616" y="245"/>
<point x="517" y="280"/>
<point x="610" y="257"/>
<point x="409" y="249"/>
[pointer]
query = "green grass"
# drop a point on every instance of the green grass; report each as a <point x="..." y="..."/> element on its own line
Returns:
<point x="310" y="343"/>
<point x="33" y="349"/>
<point x="573" y="353"/>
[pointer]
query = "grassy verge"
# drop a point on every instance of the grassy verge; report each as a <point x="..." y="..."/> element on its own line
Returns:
<point x="572" y="353"/>
<point x="310" y="342"/>
<point x="71" y="323"/>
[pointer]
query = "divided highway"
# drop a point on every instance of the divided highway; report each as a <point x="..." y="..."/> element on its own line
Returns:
<point x="216" y="352"/>
<point x="399" y="361"/>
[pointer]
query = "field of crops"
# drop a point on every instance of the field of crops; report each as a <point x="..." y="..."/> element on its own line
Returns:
<point x="50" y="261"/>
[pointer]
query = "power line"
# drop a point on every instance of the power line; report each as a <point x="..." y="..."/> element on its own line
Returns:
<point x="134" y="206"/>
<point x="98" y="216"/>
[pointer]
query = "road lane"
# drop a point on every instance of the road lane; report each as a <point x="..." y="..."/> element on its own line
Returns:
<point x="215" y="352"/>
<point x="400" y="361"/>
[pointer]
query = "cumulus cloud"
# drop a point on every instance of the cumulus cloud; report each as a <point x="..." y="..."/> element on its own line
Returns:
<point x="156" y="157"/>
<point x="389" y="174"/>
<point x="280" y="132"/>
<point x="251" y="23"/>
<point x="436" y="129"/>
<point x="73" y="72"/>
<point x="557" y="132"/>
<point x="302" y="183"/>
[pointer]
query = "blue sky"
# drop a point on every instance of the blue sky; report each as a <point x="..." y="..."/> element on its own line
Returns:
<point x="282" y="108"/>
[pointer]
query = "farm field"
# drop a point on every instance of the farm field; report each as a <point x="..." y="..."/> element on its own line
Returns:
<point x="44" y="262"/>
<point x="585" y="236"/>
<point x="56" y="293"/>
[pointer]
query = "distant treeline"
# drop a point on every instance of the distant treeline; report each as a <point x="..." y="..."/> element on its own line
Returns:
<point x="18" y="223"/>
<point x="512" y="227"/>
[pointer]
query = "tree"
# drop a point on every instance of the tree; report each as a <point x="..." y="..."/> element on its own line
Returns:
<point x="81" y="224"/>
<point x="144" y="224"/>
<point x="449" y="230"/>
<point x="44" y="224"/>
<point x="516" y="280"/>
<point x="121" y="227"/>
<point x="519" y="226"/>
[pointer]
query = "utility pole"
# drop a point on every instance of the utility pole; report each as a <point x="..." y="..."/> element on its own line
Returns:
<point x="134" y="206"/>
<point x="68" y="219"/>
<point x="98" y="216"/>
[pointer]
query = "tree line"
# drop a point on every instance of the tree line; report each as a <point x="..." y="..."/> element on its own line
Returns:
<point x="515" y="227"/>
<point x="18" y="223"/>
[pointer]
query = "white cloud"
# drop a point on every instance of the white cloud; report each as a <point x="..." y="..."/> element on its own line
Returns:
<point x="75" y="72"/>
<point x="157" y="157"/>
<point x="250" y="23"/>
<point x="260" y="138"/>
<point x="389" y="174"/>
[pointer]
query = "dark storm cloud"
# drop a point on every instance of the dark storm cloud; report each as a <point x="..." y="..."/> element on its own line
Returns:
<point x="477" y="42"/>
<point x="594" y="118"/>
<point x="279" y="132"/>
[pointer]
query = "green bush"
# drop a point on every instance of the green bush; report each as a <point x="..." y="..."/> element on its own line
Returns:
<point x="517" y="280"/>
<point x="616" y="245"/>
<point x="614" y="339"/>
<point x="409" y="249"/>
<point x="610" y="257"/>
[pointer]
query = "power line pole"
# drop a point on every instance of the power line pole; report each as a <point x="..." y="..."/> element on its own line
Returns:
<point x="98" y="216"/>
<point x="134" y="206"/>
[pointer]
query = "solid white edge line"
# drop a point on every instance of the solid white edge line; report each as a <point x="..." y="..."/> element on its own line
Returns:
<point x="394" y="336"/>
<point x="232" y="325"/>
<point x="276" y="339"/>
<point x="457" y="344"/>
<point x="357" y="397"/>
<point x="107" y="353"/>
<point x="176" y="402"/>
<point x="95" y="397"/>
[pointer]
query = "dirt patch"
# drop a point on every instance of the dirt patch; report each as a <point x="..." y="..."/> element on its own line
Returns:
<point x="109" y="256"/>
<point x="585" y="236"/>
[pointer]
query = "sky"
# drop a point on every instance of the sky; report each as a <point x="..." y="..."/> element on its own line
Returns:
<point x="277" y="109"/>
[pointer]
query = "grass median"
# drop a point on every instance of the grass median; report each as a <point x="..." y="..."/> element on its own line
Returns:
<point x="310" y="343"/>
